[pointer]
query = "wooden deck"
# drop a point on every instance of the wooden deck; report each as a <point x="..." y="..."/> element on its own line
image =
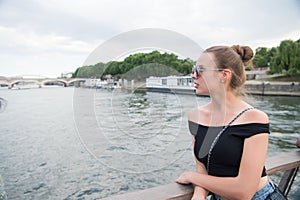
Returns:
<point x="288" y="163"/>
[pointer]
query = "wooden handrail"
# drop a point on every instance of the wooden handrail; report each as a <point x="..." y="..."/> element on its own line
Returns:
<point x="283" y="162"/>
<point x="169" y="191"/>
<point x="173" y="191"/>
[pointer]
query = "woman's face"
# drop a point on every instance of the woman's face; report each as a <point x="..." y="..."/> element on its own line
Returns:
<point x="209" y="78"/>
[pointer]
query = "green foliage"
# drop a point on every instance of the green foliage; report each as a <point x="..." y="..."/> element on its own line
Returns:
<point x="263" y="57"/>
<point x="260" y="61"/>
<point x="75" y="74"/>
<point x="284" y="58"/>
<point x="144" y="71"/>
<point x="139" y="66"/>
<point x="288" y="57"/>
<point x="248" y="68"/>
<point x="94" y="71"/>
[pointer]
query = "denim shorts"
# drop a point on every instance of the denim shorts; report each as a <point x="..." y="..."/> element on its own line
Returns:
<point x="261" y="194"/>
<point x="264" y="192"/>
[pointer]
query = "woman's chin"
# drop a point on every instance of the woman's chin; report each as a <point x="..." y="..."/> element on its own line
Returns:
<point x="201" y="92"/>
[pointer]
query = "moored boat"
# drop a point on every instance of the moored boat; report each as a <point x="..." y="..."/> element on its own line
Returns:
<point x="171" y="84"/>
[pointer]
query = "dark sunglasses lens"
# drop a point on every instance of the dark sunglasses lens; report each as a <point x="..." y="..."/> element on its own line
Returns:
<point x="195" y="69"/>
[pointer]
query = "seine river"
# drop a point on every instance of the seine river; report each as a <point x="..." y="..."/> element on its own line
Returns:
<point x="71" y="143"/>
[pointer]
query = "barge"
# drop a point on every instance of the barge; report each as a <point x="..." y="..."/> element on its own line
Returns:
<point x="171" y="84"/>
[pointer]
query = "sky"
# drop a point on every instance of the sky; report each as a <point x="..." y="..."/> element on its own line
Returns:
<point x="50" y="37"/>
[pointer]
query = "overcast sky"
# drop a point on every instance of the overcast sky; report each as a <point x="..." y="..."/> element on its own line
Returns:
<point x="48" y="37"/>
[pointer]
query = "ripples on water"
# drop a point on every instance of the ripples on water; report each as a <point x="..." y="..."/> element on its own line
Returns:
<point x="45" y="155"/>
<point x="284" y="114"/>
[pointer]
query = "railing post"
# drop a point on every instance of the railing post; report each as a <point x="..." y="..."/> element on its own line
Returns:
<point x="287" y="180"/>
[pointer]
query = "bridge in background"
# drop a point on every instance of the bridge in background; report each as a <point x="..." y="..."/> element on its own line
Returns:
<point x="10" y="82"/>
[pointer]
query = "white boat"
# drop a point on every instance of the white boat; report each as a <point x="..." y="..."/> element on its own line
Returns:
<point x="171" y="84"/>
<point x="95" y="83"/>
<point x="101" y="84"/>
<point x="25" y="85"/>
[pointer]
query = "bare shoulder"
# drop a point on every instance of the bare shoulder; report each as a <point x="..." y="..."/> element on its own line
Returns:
<point x="194" y="114"/>
<point x="256" y="116"/>
<point x="198" y="114"/>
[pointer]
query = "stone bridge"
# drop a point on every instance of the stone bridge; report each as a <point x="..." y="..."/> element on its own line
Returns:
<point x="66" y="82"/>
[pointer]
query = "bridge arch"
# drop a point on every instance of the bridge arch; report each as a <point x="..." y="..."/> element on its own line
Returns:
<point x="76" y="81"/>
<point x="65" y="83"/>
<point x="4" y="83"/>
<point x="11" y="84"/>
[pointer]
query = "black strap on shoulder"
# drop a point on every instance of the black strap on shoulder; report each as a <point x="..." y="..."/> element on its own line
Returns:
<point x="222" y="131"/>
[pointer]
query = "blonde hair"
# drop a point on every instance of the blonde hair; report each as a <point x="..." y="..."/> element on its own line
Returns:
<point x="234" y="58"/>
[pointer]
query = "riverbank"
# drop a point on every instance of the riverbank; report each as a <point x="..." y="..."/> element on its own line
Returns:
<point x="253" y="87"/>
<point x="273" y="88"/>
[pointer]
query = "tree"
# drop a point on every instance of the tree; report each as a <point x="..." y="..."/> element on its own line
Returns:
<point x="287" y="57"/>
<point x="285" y="54"/>
<point x="94" y="71"/>
<point x="75" y="74"/>
<point x="284" y="58"/>
<point x="153" y="63"/>
<point x="262" y="57"/>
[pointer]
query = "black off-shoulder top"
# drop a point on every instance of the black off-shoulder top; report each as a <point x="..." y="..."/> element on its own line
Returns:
<point x="227" y="153"/>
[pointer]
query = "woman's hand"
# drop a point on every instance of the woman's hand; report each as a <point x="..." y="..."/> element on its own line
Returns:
<point x="185" y="178"/>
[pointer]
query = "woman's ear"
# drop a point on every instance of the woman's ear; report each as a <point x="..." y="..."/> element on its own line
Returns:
<point x="226" y="74"/>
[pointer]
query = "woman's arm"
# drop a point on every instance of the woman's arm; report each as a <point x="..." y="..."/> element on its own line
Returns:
<point x="199" y="192"/>
<point x="246" y="183"/>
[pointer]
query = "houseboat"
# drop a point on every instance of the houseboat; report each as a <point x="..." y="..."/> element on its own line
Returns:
<point x="171" y="84"/>
<point x="98" y="83"/>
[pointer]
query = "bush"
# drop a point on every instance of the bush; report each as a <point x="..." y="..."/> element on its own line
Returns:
<point x="292" y="71"/>
<point x="248" y="68"/>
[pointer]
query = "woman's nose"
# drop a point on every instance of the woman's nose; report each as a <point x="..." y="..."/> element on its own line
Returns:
<point x="194" y="76"/>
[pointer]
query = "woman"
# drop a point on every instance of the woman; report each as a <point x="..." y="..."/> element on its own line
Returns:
<point x="229" y="162"/>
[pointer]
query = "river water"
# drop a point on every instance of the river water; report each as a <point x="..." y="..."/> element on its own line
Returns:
<point x="72" y="143"/>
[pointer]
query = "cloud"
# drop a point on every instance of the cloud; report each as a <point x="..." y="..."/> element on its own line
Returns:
<point x="27" y="42"/>
<point x="75" y="28"/>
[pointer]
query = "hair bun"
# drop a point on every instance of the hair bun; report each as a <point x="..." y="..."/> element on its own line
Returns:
<point x="245" y="52"/>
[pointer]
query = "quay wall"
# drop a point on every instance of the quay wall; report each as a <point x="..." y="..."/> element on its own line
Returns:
<point x="253" y="87"/>
<point x="273" y="88"/>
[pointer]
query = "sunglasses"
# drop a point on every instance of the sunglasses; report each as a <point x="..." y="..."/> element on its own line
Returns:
<point x="198" y="70"/>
